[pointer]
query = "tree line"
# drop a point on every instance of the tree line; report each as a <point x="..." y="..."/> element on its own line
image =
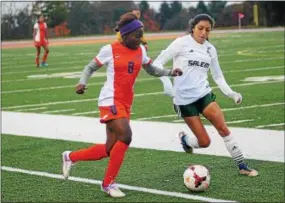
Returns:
<point x="71" y="18"/>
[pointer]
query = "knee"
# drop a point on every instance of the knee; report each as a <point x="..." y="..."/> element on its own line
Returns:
<point x="127" y="138"/>
<point x="47" y="51"/>
<point x="205" y="142"/>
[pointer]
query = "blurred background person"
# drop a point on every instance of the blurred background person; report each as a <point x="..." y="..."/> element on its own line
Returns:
<point x="41" y="40"/>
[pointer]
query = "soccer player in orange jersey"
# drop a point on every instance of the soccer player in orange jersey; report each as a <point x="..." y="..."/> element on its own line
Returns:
<point x="41" y="40"/>
<point x="123" y="61"/>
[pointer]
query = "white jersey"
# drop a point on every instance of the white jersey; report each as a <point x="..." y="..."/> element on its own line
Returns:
<point x="40" y="31"/>
<point x="195" y="60"/>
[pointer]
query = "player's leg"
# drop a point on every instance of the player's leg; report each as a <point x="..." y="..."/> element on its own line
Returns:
<point x="38" y="52"/>
<point x="201" y="138"/>
<point x="46" y="49"/>
<point x="213" y="113"/>
<point x="190" y="114"/>
<point x="121" y="128"/>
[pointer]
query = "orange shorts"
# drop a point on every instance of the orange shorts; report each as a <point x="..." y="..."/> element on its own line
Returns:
<point x="119" y="110"/>
<point x="41" y="43"/>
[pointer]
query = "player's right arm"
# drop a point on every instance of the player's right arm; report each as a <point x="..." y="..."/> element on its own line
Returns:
<point x="102" y="58"/>
<point x="89" y="69"/>
<point x="35" y="31"/>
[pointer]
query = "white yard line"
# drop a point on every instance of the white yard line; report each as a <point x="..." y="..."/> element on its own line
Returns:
<point x="122" y="186"/>
<point x="84" y="113"/>
<point x="58" y="111"/>
<point x="50" y="103"/>
<point x="43" y="70"/>
<point x="81" y="66"/>
<point x="136" y="95"/>
<point x="240" y="121"/>
<point x="275" y="124"/>
<point x="32" y="109"/>
<point x="66" y="86"/>
<point x="226" y="109"/>
<point x="229" y="71"/>
<point x="253" y="69"/>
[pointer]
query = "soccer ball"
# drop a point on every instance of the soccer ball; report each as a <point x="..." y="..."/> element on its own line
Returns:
<point x="197" y="178"/>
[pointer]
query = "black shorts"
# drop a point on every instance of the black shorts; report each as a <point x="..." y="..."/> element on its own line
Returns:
<point x="194" y="109"/>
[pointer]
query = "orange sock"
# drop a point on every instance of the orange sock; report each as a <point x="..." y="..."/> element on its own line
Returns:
<point x="45" y="57"/>
<point x="95" y="152"/>
<point x="116" y="159"/>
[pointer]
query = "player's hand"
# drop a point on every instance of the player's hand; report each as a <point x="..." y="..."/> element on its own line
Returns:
<point x="80" y="88"/>
<point x="236" y="97"/>
<point x="176" y="72"/>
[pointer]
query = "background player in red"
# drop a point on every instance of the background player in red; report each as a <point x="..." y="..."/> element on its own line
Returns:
<point x="41" y="40"/>
<point x="124" y="61"/>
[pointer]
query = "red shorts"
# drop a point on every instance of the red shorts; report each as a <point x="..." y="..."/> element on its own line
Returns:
<point x="41" y="43"/>
<point x="119" y="110"/>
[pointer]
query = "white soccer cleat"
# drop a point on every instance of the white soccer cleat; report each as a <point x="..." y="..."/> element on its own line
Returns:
<point x="182" y="136"/>
<point x="66" y="164"/>
<point x="113" y="190"/>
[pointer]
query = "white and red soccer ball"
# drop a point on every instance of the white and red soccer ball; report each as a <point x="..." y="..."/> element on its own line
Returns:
<point x="197" y="178"/>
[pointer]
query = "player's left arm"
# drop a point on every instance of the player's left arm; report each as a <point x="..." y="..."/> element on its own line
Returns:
<point x="159" y="72"/>
<point x="220" y="80"/>
<point x="46" y="32"/>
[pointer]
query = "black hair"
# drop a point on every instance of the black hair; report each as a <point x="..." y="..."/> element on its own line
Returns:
<point x="125" y="19"/>
<point x="194" y="21"/>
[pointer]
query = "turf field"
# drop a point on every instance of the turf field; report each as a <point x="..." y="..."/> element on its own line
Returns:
<point x="253" y="64"/>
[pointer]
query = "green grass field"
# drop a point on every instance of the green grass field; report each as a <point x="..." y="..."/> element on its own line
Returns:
<point x="47" y="91"/>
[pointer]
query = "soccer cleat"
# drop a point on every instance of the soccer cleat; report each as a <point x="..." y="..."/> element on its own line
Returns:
<point x="44" y="64"/>
<point x="113" y="190"/>
<point x="182" y="135"/>
<point x="66" y="164"/>
<point x="245" y="170"/>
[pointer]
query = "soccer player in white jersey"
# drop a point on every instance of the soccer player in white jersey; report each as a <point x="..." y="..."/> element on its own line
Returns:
<point x="191" y="92"/>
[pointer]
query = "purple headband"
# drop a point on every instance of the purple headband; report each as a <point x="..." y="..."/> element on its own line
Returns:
<point x="130" y="27"/>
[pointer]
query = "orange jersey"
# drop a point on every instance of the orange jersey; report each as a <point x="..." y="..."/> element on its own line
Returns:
<point x="40" y="29"/>
<point x="123" y="65"/>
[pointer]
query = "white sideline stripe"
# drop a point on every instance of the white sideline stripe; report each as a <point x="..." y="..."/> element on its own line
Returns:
<point x="226" y="109"/>
<point x="81" y="129"/>
<point x="32" y="109"/>
<point x="230" y="71"/>
<point x="136" y="95"/>
<point x="123" y="186"/>
<point x="275" y="124"/>
<point x="58" y="111"/>
<point x="85" y="113"/>
<point x="65" y="86"/>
